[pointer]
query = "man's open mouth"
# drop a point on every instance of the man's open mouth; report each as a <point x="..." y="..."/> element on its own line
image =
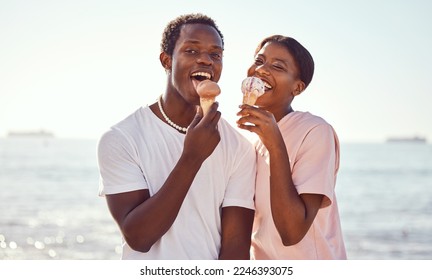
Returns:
<point x="201" y="76"/>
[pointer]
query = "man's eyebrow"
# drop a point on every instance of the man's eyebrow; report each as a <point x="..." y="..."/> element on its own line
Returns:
<point x="197" y="42"/>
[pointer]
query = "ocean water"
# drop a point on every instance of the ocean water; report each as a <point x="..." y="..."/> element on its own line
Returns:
<point x="385" y="199"/>
<point x="49" y="207"/>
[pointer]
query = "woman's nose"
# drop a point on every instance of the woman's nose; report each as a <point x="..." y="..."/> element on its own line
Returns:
<point x="262" y="70"/>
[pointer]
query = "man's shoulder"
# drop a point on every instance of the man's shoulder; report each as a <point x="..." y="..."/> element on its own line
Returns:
<point x="233" y="140"/>
<point x="230" y="131"/>
<point x="123" y="127"/>
<point x="132" y="119"/>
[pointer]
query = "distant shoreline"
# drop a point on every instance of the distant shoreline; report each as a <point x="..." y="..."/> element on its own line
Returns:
<point x="415" y="139"/>
<point x="36" y="133"/>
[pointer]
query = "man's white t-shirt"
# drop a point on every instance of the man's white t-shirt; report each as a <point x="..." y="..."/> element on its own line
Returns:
<point x="141" y="151"/>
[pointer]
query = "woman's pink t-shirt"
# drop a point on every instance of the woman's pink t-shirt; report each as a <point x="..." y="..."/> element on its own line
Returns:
<point x="313" y="150"/>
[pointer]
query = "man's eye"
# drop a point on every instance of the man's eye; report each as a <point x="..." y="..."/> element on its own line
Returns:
<point x="191" y="51"/>
<point x="216" y="55"/>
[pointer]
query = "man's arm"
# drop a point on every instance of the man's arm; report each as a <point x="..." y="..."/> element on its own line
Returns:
<point x="142" y="219"/>
<point x="236" y="233"/>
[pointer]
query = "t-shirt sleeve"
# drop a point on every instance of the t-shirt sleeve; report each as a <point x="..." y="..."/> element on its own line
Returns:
<point x="317" y="162"/>
<point x="241" y="186"/>
<point x="119" y="170"/>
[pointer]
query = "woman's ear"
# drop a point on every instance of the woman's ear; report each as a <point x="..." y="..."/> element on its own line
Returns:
<point x="165" y="60"/>
<point x="300" y="86"/>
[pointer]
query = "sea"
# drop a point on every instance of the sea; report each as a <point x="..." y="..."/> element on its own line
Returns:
<point x="50" y="208"/>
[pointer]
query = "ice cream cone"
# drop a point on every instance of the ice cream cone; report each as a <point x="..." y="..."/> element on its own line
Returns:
<point x="252" y="88"/>
<point x="207" y="90"/>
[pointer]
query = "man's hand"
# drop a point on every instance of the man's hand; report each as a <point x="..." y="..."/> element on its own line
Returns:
<point x="202" y="136"/>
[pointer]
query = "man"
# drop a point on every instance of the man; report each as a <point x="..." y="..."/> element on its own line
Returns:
<point x="180" y="185"/>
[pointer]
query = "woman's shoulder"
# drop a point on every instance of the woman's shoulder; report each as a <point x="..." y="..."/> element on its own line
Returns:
<point x="308" y="117"/>
<point x="299" y="119"/>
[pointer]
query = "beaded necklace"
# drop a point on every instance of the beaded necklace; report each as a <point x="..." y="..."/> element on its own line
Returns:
<point x="170" y="122"/>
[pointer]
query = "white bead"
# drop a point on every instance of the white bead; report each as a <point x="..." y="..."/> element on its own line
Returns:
<point x="170" y="122"/>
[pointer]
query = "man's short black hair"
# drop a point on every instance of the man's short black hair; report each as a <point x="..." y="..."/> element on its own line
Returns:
<point x="172" y="30"/>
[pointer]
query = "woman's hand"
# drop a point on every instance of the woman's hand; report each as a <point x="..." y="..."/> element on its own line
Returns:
<point x="261" y="122"/>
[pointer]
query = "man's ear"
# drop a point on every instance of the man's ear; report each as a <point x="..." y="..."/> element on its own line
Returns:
<point x="165" y="60"/>
<point x="300" y="86"/>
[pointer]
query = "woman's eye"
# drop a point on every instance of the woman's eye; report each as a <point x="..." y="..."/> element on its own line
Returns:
<point x="191" y="51"/>
<point x="278" y="67"/>
<point x="258" y="62"/>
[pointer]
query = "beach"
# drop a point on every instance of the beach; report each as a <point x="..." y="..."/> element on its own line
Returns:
<point x="50" y="208"/>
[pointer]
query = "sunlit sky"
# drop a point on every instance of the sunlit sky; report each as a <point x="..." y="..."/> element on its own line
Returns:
<point x="77" y="67"/>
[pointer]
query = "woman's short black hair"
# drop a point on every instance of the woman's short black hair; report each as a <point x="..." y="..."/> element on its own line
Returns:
<point x="302" y="57"/>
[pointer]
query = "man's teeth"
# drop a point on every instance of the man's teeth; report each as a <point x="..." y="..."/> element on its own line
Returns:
<point x="202" y="74"/>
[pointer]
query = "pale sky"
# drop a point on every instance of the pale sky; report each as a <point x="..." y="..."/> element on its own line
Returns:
<point x="77" y="67"/>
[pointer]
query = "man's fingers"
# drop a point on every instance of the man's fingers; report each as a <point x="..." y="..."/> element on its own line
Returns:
<point x="197" y="118"/>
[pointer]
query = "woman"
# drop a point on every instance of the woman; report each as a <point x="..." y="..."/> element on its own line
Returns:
<point x="297" y="161"/>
